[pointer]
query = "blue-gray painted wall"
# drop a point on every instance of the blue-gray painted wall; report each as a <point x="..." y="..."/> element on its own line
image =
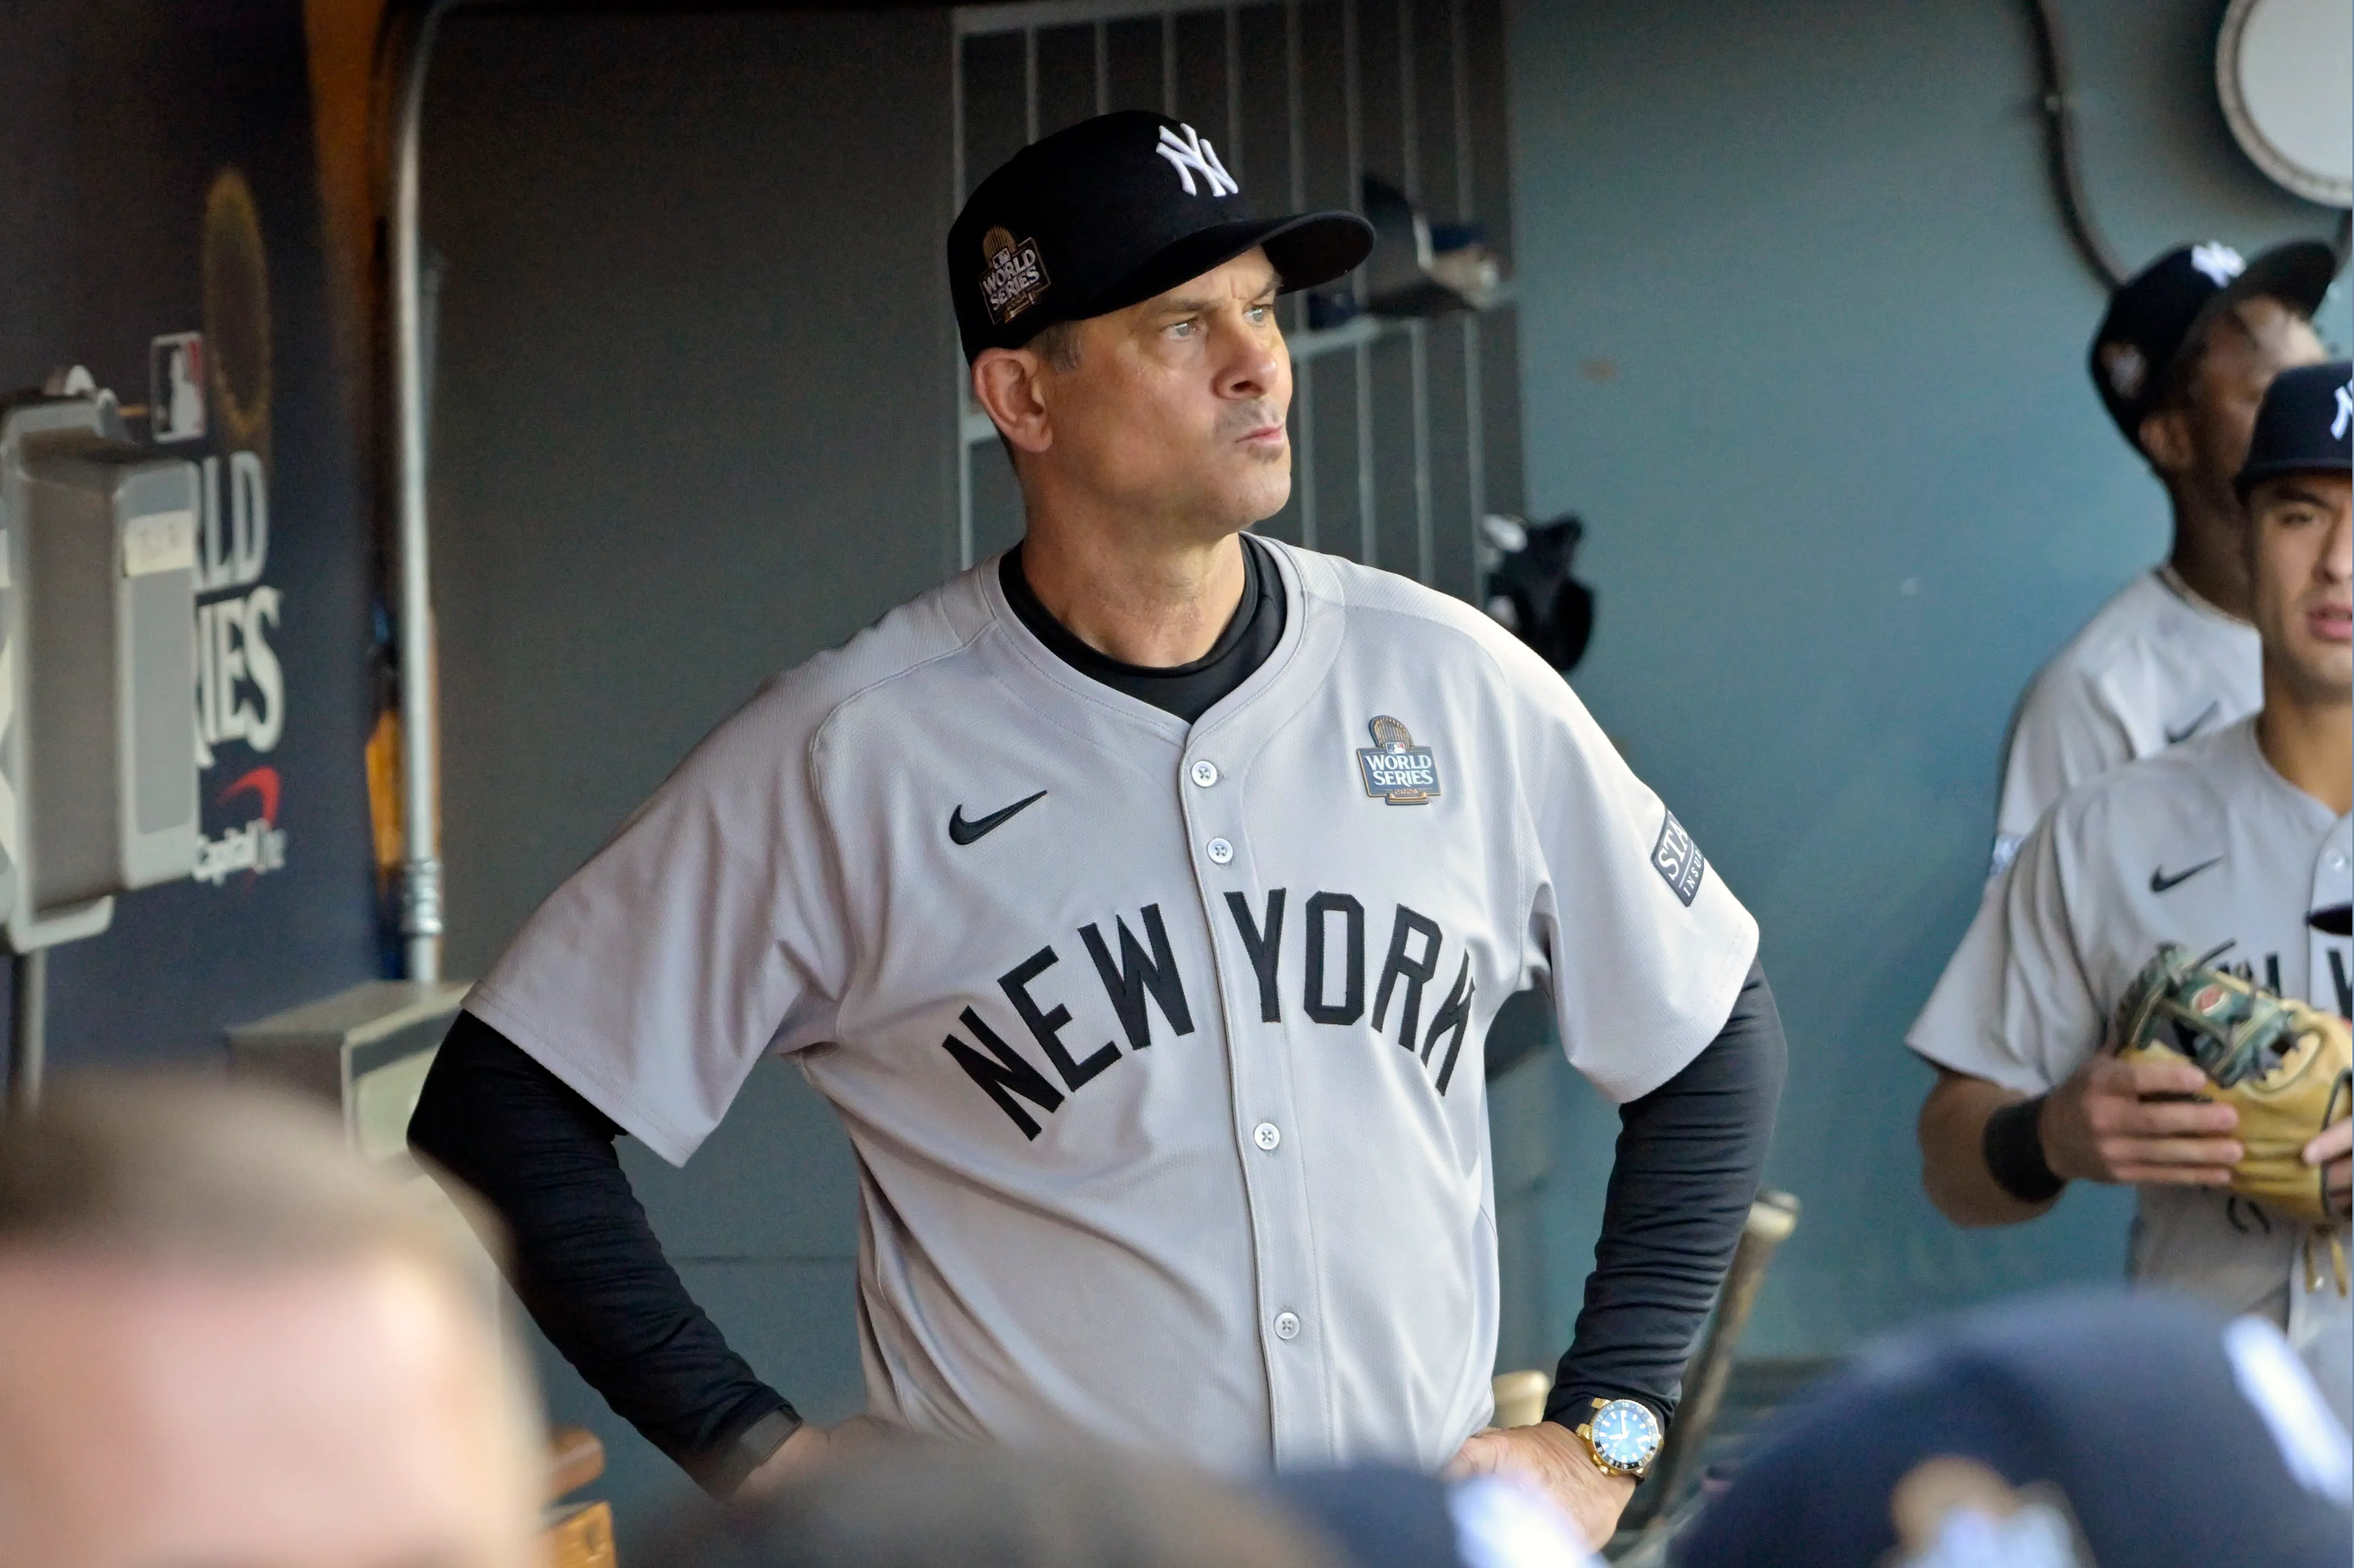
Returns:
<point x="1803" y="339"/>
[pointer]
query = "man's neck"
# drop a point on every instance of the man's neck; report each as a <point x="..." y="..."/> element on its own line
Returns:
<point x="1151" y="602"/>
<point x="2207" y="551"/>
<point x="2309" y="743"/>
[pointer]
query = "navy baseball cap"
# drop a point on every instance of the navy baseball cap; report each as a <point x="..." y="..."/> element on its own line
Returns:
<point x="1110" y="212"/>
<point x="2162" y="309"/>
<point x="2305" y="426"/>
<point x="2085" y="1429"/>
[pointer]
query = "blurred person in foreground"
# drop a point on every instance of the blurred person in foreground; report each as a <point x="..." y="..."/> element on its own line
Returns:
<point x="2093" y="1429"/>
<point x="230" y="1344"/>
<point x="903" y="1502"/>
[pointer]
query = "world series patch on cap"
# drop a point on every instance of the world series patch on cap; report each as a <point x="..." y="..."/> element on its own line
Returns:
<point x="1110" y="212"/>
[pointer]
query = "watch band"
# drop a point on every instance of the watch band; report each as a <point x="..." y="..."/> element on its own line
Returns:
<point x="748" y="1451"/>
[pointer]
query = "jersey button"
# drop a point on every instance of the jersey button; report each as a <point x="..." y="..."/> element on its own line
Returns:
<point x="1205" y="772"/>
<point x="1220" y="851"/>
<point x="1266" y="1135"/>
<point x="1286" y="1325"/>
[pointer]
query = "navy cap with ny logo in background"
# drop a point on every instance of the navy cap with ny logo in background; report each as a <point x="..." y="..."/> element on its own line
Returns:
<point x="2158" y="313"/>
<point x="2305" y="425"/>
<point x="1110" y="212"/>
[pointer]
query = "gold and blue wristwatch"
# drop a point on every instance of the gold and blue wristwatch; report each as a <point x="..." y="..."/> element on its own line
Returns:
<point x="1622" y="1435"/>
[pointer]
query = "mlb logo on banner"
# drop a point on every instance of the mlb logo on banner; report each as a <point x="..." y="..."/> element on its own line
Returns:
<point x="175" y="387"/>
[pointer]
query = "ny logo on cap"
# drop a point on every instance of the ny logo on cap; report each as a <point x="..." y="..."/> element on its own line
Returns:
<point x="1189" y="155"/>
<point x="2219" y="262"/>
<point x="2345" y="412"/>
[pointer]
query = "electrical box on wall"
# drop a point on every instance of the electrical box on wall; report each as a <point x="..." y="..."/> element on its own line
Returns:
<point x="362" y="1053"/>
<point x="98" y="772"/>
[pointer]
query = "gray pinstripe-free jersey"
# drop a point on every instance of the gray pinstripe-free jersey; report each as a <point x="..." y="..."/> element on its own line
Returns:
<point x="1159" y="1046"/>
<point x="2154" y="667"/>
<point x="2202" y="844"/>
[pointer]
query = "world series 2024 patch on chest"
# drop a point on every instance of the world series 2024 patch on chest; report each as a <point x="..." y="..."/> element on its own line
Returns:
<point x="1396" y="771"/>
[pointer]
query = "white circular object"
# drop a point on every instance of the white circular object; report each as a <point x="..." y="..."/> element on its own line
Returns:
<point x="1266" y="1135"/>
<point x="2285" y="70"/>
<point x="1220" y="851"/>
<point x="1286" y="1325"/>
<point x="1205" y="773"/>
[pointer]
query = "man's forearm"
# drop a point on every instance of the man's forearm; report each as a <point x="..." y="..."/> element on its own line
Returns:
<point x="585" y="1262"/>
<point x="1689" y="1157"/>
<point x="1954" y="1143"/>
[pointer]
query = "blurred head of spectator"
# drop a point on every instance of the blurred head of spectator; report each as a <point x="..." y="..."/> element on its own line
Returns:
<point x="227" y="1341"/>
<point x="909" y="1504"/>
<point x="914" y="1504"/>
<point x="2096" y="1429"/>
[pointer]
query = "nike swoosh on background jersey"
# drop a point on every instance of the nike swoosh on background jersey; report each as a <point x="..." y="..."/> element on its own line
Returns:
<point x="963" y="832"/>
<point x="2177" y="737"/>
<point x="2158" y="881"/>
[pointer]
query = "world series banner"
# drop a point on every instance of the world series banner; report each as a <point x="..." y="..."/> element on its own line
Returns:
<point x="167" y="237"/>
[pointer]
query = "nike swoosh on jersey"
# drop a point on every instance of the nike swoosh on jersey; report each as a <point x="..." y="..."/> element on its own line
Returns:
<point x="2159" y="882"/>
<point x="963" y="832"/>
<point x="2177" y="737"/>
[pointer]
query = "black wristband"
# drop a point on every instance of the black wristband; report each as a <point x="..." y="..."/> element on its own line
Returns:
<point x="2014" y="1150"/>
<point x="725" y="1471"/>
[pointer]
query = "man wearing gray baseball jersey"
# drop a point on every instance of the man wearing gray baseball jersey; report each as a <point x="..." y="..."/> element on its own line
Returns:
<point x="2236" y="841"/>
<point x="2180" y="360"/>
<point x="1141" y="900"/>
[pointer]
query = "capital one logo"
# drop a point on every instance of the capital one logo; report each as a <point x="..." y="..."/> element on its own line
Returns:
<point x="1190" y="155"/>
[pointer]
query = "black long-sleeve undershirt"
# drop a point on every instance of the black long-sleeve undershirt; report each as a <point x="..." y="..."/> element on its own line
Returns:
<point x="584" y="1260"/>
<point x="1690" y="1155"/>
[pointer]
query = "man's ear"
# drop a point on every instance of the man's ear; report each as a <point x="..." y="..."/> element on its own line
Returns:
<point x="1005" y="384"/>
<point x="2165" y="439"/>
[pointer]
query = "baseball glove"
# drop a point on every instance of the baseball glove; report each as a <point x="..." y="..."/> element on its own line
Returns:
<point x="2282" y="1066"/>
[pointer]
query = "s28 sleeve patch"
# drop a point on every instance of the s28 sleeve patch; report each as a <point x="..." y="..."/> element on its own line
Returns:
<point x="1677" y="860"/>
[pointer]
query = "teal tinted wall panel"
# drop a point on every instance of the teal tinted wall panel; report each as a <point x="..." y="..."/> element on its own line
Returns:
<point x="1803" y="339"/>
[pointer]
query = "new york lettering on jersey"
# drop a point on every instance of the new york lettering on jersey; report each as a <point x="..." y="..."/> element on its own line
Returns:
<point x="1145" y="978"/>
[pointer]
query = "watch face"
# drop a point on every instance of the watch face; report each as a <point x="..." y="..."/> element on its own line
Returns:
<point x="1625" y="1433"/>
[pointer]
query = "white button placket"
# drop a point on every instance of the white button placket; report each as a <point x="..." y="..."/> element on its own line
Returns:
<point x="1272" y="1183"/>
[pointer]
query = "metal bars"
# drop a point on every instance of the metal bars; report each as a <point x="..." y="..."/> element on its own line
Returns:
<point x="1138" y="53"/>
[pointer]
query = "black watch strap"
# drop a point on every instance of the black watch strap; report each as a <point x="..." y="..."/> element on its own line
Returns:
<point x="749" y="1450"/>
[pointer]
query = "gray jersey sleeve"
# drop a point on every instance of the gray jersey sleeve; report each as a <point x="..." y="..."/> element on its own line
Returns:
<point x="701" y="937"/>
<point x="2015" y="1005"/>
<point x="1633" y="931"/>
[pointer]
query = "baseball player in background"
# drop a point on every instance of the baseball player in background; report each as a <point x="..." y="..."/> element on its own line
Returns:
<point x="2238" y="837"/>
<point x="1141" y="900"/>
<point x="2181" y="360"/>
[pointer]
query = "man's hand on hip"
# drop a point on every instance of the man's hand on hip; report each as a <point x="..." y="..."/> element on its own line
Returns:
<point x="810" y="1447"/>
<point x="1550" y="1457"/>
<point x="2102" y="1126"/>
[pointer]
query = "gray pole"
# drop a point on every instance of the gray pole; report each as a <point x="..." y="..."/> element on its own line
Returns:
<point x="421" y="872"/>
<point x="27" y="1044"/>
